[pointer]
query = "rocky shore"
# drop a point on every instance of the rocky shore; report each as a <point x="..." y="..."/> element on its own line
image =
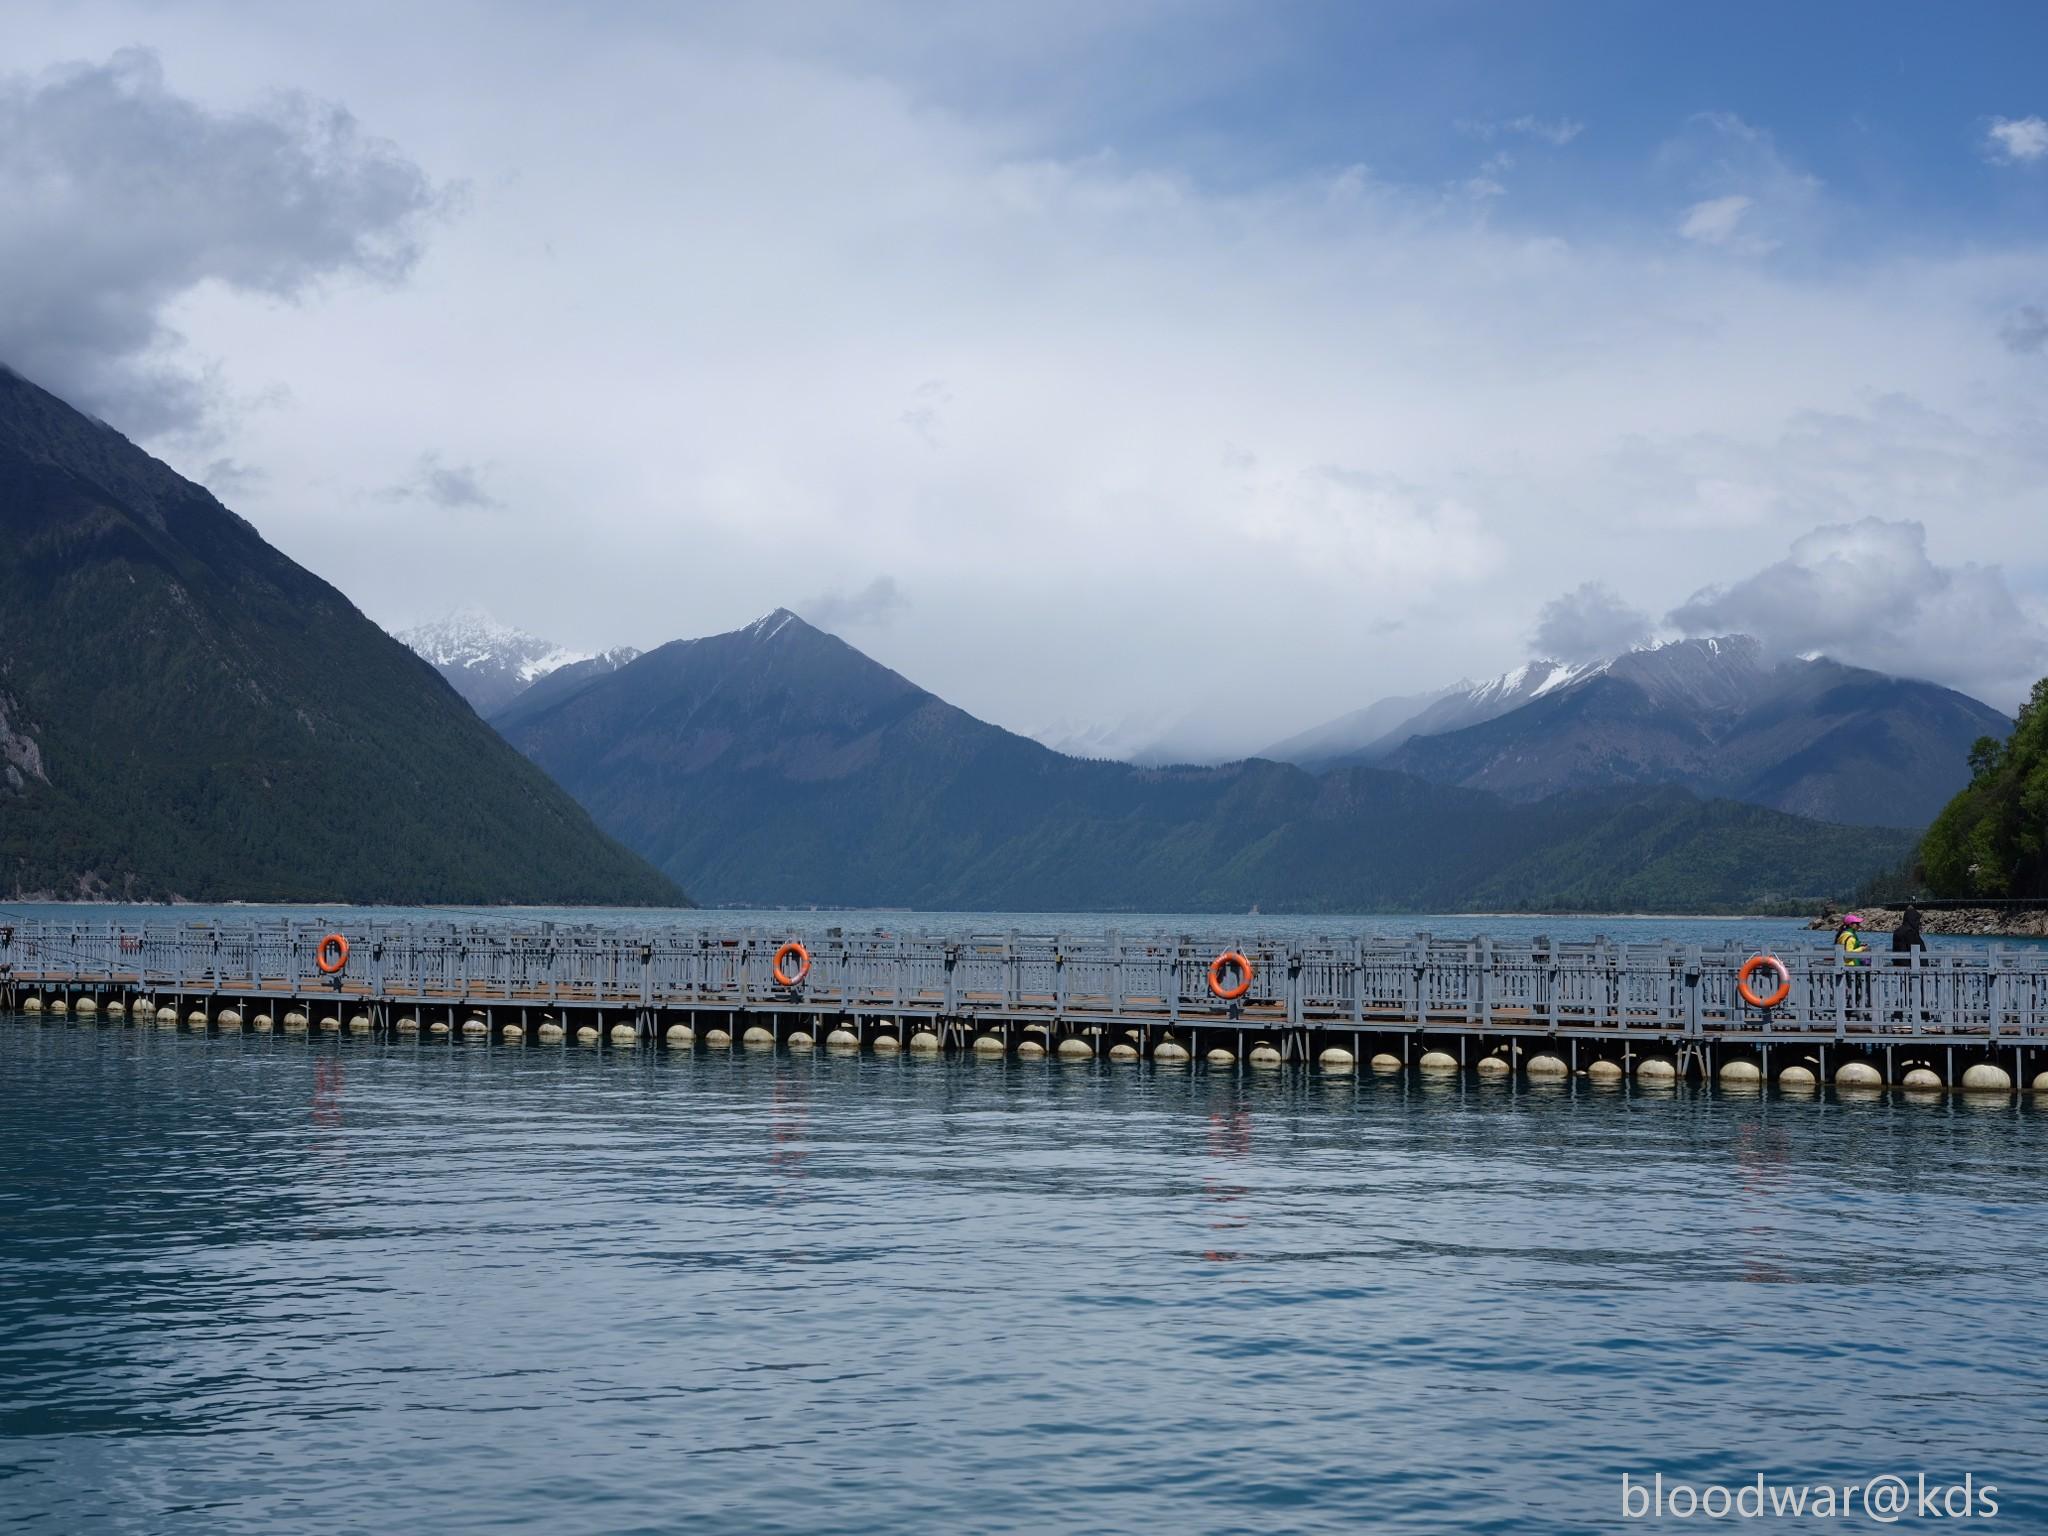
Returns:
<point x="1979" y="922"/>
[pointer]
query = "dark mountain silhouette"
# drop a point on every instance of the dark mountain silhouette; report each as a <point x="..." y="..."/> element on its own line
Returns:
<point x="185" y="711"/>
<point x="1811" y="737"/>
<point x="776" y="764"/>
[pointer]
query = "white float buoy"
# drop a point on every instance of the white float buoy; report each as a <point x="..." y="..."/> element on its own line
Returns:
<point x="1219" y="1057"/>
<point x="1921" y="1077"/>
<point x="842" y="1040"/>
<point x="59" y="1007"/>
<point x="680" y="1034"/>
<point x="625" y="1034"/>
<point x="717" y="1036"/>
<point x="1547" y="1064"/>
<point x="2041" y="1082"/>
<point x="469" y="1027"/>
<point x="443" y="1027"/>
<point x="1858" y="1074"/>
<point x="1656" y="1069"/>
<point x="1740" y="1069"/>
<point x="1438" y="1061"/>
<point x="1492" y="1066"/>
<point x="116" y="1011"/>
<point x="86" y="1008"/>
<point x="586" y="1034"/>
<point x="294" y="1019"/>
<point x="513" y="1034"/>
<point x="330" y="1024"/>
<point x="31" y="1005"/>
<point x="924" y="1041"/>
<point x="1986" y="1077"/>
<point x="1604" y="1071"/>
<point x="1798" y="1075"/>
<point x="411" y="1026"/>
<point x="263" y="1023"/>
<point x="229" y="1018"/>
<point x="359" y="1024"/>
<point x="756" y="1035"/>
<point x="989" y="1045"/>
<point x="1386" y="1061"/>
<point x="1336" y="1059"/>
<point x="800" y="1040"/>
<point x="1033" y="1050"/>
<point x="196" y="1019"/>
<point x="1075" y="1049"/>
<point x="1123" y="1050"/>
<point x="548" y="1031"/>
<point x="1170" y="1051"/>
<point x="1263" y="1054"/>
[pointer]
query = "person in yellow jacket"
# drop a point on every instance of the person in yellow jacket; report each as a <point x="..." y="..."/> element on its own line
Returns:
<point x="1849" y="940"/>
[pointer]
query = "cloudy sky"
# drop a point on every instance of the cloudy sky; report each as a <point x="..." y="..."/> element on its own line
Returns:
<point x="1083" y="361"/>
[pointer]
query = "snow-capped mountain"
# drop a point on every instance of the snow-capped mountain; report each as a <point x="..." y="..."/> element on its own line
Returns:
<point x="490" y="663"/>
<point x="1717" y="715"/>
<point x="1372" y="732"/>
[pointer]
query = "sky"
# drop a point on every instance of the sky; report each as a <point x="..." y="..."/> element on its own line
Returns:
<point x="1202" y="369"/>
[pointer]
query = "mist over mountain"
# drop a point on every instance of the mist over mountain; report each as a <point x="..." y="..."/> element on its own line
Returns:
<point x="185" y="711"/>
<point x="777" y="764"/>
<point x="1719" y="716"/>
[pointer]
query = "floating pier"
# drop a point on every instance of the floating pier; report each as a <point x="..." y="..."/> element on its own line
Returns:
<point x="1970" y="1020"/>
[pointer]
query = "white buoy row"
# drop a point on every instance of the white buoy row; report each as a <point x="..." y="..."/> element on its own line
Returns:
<point x="1919" y="1073"/>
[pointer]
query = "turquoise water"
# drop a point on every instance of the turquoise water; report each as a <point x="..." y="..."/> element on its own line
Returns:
<point x="263" y="1283"/>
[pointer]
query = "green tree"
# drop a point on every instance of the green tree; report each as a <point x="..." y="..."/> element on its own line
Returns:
<point x="1992" y="839"/>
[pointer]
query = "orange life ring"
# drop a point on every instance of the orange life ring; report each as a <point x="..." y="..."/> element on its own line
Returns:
<point x="1244" y="975"/>
<point x="332" y="954"/>
<point x="786" y="978"/>
<point x="1757" y="963"/>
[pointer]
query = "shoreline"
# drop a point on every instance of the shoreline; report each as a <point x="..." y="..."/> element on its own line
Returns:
<point x="1954" y="922"/>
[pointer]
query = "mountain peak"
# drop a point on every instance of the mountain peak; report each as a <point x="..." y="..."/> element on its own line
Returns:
<point x="783" y="621"/>
<point x="490" y="663"/>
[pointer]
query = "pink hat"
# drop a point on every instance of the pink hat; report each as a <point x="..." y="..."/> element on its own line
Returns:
<point x="1853" y="917"/>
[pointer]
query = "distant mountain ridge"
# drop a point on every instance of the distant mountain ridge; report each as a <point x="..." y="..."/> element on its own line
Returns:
<point x="777" y="764"/>
<point x="491" y="664"/>
<point x="185" y="711"/>
<point x="1809" y="736"/>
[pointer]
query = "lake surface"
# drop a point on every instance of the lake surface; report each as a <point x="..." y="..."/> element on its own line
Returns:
<point x="263" y="1283"/>
<point x="1751" y="932"/>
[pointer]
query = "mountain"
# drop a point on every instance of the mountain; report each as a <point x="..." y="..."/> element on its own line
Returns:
<point x="776" y="764"/>
<point x="1810" y="736"/>
<point x="184" y="711"/>
<point x="1361" y="734"/>
<point x="491" y="664"/>
<point x="552" y="687"/>
<point x="1369" y="734"/>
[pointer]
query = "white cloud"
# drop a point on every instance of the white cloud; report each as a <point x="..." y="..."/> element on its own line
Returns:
<point x="729" y="323"/>
<point x="874" y="604"/>
<point x="1717" y="220"/>
<point x="1867" y="592"/>
<point x="1588" y="623"/>
<point x="121" y="196"/>
<point x="1558" y="131"/>
<point x="2017" y="140"/>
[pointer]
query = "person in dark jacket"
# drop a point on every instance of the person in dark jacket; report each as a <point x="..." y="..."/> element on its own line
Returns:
<point x="1907" y="937"/>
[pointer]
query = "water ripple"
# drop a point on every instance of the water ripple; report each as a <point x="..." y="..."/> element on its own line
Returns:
<point x="337" y="1284"/>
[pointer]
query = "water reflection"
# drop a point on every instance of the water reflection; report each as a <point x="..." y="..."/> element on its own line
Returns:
<point x="656" y="1290"/>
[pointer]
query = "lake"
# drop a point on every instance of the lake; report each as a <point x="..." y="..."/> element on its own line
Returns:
<point x="333" y="1284"/>
<point x="1752" y="932"/>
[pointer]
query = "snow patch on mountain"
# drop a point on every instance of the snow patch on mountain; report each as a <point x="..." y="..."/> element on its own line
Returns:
<point x="490" y="662"/>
